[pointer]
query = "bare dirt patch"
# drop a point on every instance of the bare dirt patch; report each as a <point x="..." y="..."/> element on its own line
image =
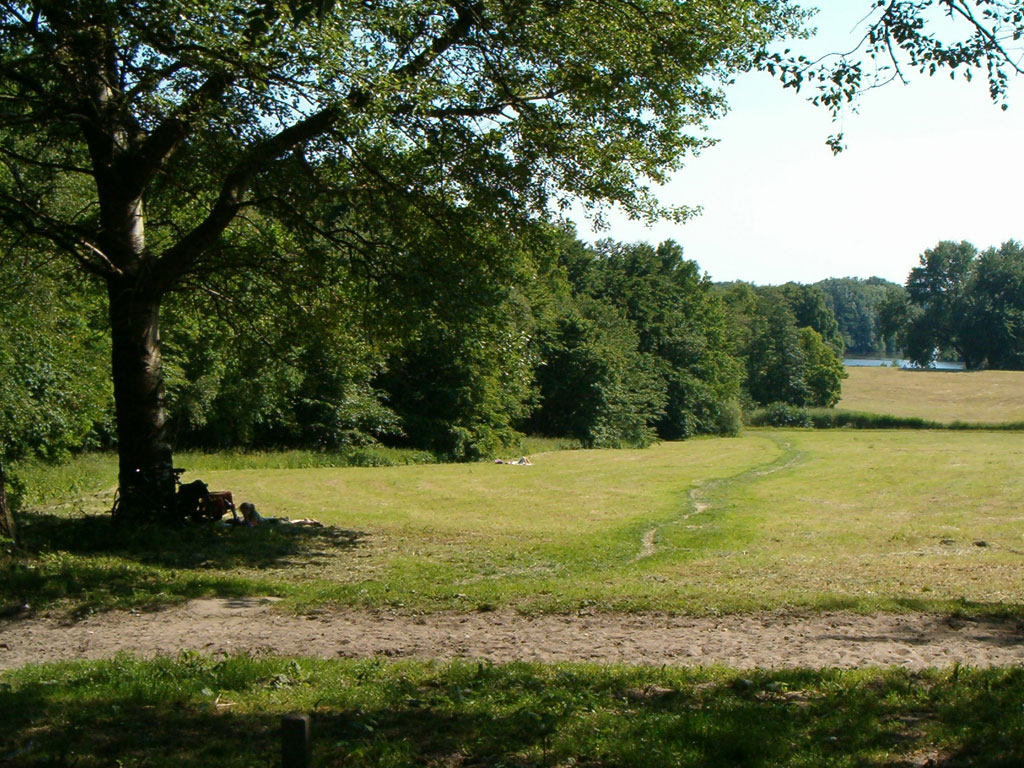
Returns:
<point x="767" y="640"/>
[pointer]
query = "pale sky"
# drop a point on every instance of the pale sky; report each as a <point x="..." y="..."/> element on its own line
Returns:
<point x="934" y="160"/>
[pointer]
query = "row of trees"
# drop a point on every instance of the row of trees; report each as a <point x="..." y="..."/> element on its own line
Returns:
<point x="959" y="303"/>
<point x="962" y="304"/>
<point x="856" y="303"/>
<point x="611" y="344"/>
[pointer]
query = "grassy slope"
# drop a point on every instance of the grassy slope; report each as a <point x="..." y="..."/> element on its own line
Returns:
<point x="799" y="519"/>
<point x="989" y="397"/>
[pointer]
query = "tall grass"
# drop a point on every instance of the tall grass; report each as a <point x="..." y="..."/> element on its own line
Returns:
<point x="826" y="418"/>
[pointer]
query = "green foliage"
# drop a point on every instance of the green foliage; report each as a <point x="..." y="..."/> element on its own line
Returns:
<point x="458" y="390"/>
<point x="785" y="362"/>
<point x="810" y="307"/>
<point x="161" y="146"/>
<point x="774" y="358"/>
<point x="824" y="372"/>
<point x="594" y="384"/>
<point x="681" y="327"/>
<point x="962" y="304"/>
<point x="938" y="287"/>
<point x="895" y="313"/>
<point x="784" y="415"/>
<point x="415" y="105"/>
<point x="781" y="415"/>
<point x="995" y="324"/>
<point x="341" y="174"/>
<point x="669" y="365"/>
<point x="54" y="393"/>
<point x="855" y="302"/>
<point x="267" y="364"/>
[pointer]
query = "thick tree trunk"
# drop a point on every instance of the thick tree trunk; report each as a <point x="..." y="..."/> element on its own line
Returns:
<point x="7" y="530"/>
<point x="145" y="471"/>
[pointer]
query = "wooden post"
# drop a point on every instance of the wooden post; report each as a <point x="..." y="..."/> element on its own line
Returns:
<point x="296" y="750"/>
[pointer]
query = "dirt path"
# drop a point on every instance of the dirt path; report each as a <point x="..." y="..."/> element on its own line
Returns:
<point x="764" y="640"/>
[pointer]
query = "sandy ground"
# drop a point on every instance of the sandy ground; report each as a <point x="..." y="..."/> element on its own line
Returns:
<point x="253" y="626"/>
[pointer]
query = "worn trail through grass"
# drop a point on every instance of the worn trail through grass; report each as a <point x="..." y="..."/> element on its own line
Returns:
<point x="700" y="497"/>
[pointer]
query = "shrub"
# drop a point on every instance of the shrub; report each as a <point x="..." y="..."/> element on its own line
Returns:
<point x="781" y="415"/>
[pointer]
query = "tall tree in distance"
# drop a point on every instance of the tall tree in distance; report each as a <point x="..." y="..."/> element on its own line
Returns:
<point x="994" y="333"/>
<point x="938" y="287"/>
<point x="964" y="304"/>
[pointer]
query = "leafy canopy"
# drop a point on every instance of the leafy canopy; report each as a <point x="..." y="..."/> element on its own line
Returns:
<point x="202" y="109"/>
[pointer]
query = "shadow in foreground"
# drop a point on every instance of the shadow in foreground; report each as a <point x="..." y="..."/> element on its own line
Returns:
<point x="92" y="565"/>
<point x="197" y="710"/>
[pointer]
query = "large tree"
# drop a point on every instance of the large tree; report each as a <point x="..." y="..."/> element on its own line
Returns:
<point x="964" y="304"/>
<point x="938" y="287"/>
<point x="151" y="142"/>
<point x="681" y="328"/>
<point x="995" y="322"/>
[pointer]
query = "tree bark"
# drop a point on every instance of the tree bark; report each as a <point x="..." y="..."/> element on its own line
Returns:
<point x="145" y="469"/>
<point x="7" y="529"/>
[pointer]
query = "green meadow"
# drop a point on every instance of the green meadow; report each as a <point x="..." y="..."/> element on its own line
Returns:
<point x="782" y="520"/>
<point x="774" y="520"/>
<point x="974" y="397"/>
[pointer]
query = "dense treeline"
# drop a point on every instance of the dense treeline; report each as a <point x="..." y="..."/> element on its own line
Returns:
<point x="789" y="342"/>
<point x="962" y="304"/>
<point x="856" y="303"/>
<point x="612" y="344"/>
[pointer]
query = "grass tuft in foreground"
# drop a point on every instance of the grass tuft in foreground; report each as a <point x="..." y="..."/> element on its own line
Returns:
<point x="195" y="710"/>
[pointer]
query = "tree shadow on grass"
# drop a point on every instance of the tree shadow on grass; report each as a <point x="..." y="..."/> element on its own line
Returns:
<point x="95" y="565"/>
<point x="184" y="546"/>
<point x="182" y="713"/>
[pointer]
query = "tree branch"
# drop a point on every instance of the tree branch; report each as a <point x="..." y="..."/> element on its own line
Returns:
<point x="167" y="136"/>
<point x="33" y="221"/>
<point x="176" y="261"/>
<point x="466" y="16"/>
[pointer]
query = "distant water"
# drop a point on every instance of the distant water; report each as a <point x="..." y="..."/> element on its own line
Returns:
<point x="877" y="362"/>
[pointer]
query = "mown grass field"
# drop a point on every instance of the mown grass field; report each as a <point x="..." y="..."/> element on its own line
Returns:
<point x="805" y="520"/>
<point x="774" y="520"/>
<point x="988" y="397"/>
